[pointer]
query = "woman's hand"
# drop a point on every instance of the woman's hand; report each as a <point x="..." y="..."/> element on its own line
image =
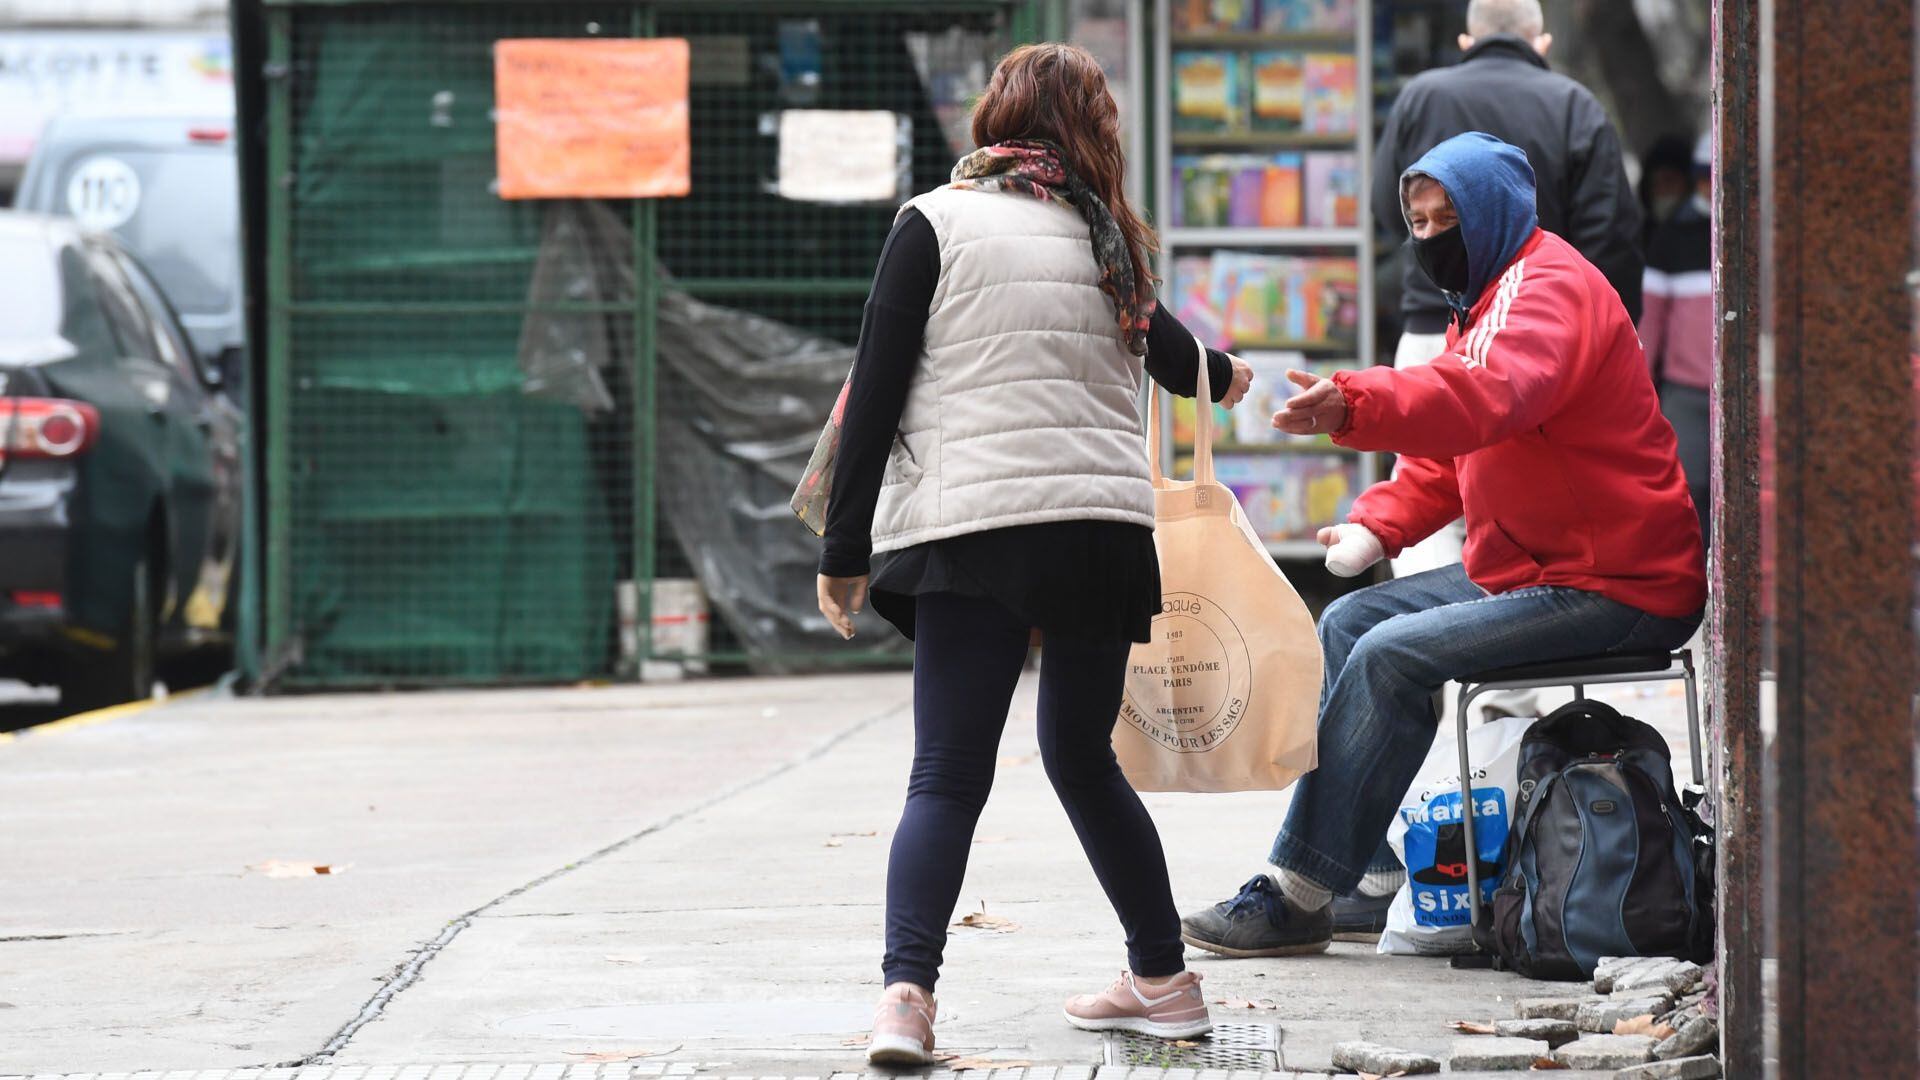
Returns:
<point x="1242" y="381"/>
<point x="841" y="598"/>
<point x="1319" y="409"/>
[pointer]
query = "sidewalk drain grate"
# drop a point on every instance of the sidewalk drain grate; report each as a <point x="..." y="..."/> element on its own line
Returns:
<point x="1231" y="1046"/>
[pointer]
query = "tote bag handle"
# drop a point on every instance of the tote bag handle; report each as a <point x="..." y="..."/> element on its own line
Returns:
<point x="1202" y="425"/>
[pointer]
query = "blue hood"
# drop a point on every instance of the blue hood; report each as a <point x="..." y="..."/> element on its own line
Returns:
<point x="1491" y="186"/>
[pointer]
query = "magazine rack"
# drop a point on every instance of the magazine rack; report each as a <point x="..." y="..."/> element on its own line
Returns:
<point x="1258" y="161"/>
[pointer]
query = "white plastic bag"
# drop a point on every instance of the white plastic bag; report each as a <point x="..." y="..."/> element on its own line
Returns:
<point x="1430" y="915"/>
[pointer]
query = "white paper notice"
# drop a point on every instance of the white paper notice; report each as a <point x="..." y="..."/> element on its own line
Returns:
<point x="831" y="156"/>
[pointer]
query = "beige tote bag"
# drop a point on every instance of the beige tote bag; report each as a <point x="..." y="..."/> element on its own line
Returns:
<point x="1226" y="697"/>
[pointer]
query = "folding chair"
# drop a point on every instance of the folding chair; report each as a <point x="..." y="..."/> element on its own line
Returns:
<point x="1579" y="674"/>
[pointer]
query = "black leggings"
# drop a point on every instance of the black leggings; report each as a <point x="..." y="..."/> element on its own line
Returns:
<point x="966" y="663"/>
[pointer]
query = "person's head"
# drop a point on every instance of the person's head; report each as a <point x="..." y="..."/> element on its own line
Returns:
<point x="1429" y="211"/>
<point x="1058" y="93"/>
<point x="1519" y="18"/>
<point x="1666" y="176"/>
<point x="1469" y="203"/>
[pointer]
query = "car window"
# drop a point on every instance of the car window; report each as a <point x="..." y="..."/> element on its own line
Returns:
<point x="167" y="335"/>
<point x="124" y="314"/>
<point x="83" y="321"/>
<point x="178" y="209"/>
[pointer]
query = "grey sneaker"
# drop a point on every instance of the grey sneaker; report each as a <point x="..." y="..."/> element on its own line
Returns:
<point x="1258" y="922"/>
<point x="1359" y="917"/>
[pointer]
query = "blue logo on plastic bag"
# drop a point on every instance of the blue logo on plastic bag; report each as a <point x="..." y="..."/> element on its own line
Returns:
<point x="1436" y="848"/>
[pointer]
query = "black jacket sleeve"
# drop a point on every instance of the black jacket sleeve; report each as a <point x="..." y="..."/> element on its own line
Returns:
<point x="1173" y="361"/>
<point x="892" y="332"/>
<point x="1390" y="159"/>
<point x="1603" y="217"/>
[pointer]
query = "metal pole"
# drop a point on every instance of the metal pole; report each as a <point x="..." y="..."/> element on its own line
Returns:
<point x="646" y="299"/>
<point x="278" y="369"/>
<point x="1467" y="694"/>
<point x="1733" y="616"/>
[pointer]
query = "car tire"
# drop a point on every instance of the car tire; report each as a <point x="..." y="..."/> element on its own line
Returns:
<point x="126" y="672"/>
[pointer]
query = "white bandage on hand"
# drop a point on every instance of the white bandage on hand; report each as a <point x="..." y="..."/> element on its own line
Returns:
<point x="1355" y="549"/>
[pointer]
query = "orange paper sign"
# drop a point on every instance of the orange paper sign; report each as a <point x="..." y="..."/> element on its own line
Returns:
<point x="591" y="119"/>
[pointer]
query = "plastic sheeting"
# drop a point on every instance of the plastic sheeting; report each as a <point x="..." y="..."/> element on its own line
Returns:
<point x="742" y="398"/>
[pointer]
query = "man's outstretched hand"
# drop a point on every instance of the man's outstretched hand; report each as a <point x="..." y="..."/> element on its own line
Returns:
<point x="1318" y="409"/>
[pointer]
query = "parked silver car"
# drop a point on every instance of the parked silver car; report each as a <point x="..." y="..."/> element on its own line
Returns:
<point x="168" y="188"/>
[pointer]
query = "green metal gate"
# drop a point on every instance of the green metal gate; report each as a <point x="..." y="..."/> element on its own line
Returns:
<point x="435" y="511"/>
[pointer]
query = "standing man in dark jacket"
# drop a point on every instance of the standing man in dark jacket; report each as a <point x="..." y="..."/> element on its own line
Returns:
<point x="1503" y="86"/>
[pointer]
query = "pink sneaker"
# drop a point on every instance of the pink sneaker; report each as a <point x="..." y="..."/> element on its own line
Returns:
<point x="1173" y="1010"/>
<point x="902" y="1027"/>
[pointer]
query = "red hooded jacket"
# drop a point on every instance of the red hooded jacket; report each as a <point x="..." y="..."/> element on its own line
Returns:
<point x="1540" y="424"/>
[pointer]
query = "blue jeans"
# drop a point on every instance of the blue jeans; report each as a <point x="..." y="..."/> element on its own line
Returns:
<point x="1388" y="648"/>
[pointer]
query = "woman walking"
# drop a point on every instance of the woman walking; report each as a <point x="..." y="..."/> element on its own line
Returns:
<point x="992" y="458"/>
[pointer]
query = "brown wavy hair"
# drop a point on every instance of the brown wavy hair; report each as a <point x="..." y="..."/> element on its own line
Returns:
<point x="1058" y="93"/>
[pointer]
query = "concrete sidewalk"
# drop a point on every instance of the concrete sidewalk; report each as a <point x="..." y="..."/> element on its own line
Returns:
<point x="688" y="871"/>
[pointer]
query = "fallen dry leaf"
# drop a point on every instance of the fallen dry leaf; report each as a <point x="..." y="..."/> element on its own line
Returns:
<point x="1012" y="762"/>
<point x="1185" y="1044"/>
<point x="1642" y="1025"/>
<point x="869" y="832"/>
<point x="1243" y="1003"/>
<point x="857" y="1040"/>
<point x="834" y="841"/>
<point x="1545" y="1064"/>
<point x="283" y="868"/>
<point x="980" y="920"/>
<point x="1472" y="1027"/>
<point x="959" y="1063"/>
<point x="625" y="958"/>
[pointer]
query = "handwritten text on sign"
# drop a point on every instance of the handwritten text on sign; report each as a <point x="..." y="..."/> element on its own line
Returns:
<point x="591" y="119"/>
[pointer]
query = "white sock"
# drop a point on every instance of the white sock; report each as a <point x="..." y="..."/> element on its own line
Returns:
<point x="1382" y="882"/>
<point x="1304" y="894"/>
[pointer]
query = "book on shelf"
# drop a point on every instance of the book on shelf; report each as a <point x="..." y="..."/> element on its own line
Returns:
<point x="1266" y="16"/>
<point x="1252" y="300"/>
<point x="1331" y="93"/>
<point x="1332" y="190"/>
<point x="1208" y="93"/>
<point x="1306" y="16"/>
<point x="1290" y="496"/>
<point x="1193" y="300"/>
<point x="1253" y="419"/>
<point x="1183" y="418"/>
<point x="1279" y="90"/>
<point x="1287" y="190"/>
<point x="1264" y="93"/>
<point x="1215" y="16"/>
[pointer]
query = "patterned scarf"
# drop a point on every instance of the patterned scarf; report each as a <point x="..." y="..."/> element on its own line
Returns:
<point x="1039" y="169"/>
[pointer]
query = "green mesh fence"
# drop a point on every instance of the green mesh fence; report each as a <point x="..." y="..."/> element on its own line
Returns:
<point x="453" y="493"/>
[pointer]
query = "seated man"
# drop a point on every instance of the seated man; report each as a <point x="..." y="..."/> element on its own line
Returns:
<point x="1540" y="424"/>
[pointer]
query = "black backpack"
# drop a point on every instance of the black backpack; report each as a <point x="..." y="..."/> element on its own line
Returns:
<point x="1604" y="859"/>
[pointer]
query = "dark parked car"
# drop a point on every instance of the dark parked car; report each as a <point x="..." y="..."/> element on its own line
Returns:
<point x="119" y="471"/>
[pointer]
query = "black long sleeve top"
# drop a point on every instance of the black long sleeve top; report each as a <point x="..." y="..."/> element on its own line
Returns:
<point x="1090" y="579"/>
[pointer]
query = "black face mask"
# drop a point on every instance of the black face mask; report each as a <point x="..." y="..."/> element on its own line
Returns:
<point x="1444" y="257"/>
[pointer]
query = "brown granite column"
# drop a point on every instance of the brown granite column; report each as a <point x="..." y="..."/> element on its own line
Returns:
<point x="1837" y="121"/>
<point x="1733" y="622"/>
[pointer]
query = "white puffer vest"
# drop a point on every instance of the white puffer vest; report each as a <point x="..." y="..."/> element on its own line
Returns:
<point x="1025" y="405"/>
